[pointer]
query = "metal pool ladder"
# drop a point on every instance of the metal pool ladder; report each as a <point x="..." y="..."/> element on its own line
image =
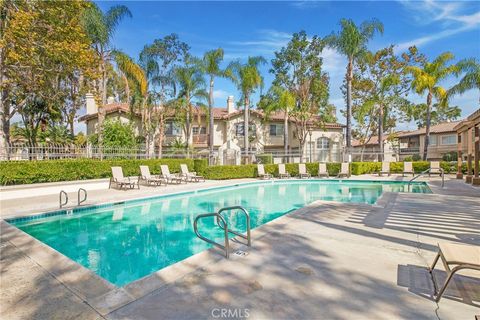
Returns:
<point x="79" y="201"/>
<point x="442" y="172"/>
<point x="222" y="223"/>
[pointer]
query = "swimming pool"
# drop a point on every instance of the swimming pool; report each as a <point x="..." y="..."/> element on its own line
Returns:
<point x="125" y="241"/>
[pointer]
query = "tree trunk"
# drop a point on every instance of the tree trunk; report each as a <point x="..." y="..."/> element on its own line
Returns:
<point x="210" y="118"/>
<point x="187" y="127"/>
<point x="4" y="127"/>
<point x="427" y="126"/>
<point x="245" y="127"/>
<point x="101" y="109"/>
<point x="285" y="134"/>
<point x="380" y="133"/>
<point x="161" y="133"/>
<point x="348" y="135"/>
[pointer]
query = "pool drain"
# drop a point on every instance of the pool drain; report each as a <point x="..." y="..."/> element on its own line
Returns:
<point x="241" y="253"/>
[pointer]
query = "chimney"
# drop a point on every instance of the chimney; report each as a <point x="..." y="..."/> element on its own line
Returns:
<point x="230" y="104"/>
<point x="90" y="103"/>
<point x="110" y="100"/>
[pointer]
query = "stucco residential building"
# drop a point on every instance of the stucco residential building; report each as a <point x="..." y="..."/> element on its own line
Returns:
<point x="468" y="147"/>
<point x="368" y="150"/>
<point x="443" y="140"/>
<point x="324" y="141"/>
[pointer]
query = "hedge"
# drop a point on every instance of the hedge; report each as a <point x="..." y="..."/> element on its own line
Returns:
<point x="358" y="168"/>
<point x="250" y="170"/>
<point x="26" y="172"/>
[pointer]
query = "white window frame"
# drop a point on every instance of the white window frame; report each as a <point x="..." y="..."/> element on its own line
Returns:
<point x="450" y="136"/>
<point x="320" y="143"/>
<point x="279" y="129"/>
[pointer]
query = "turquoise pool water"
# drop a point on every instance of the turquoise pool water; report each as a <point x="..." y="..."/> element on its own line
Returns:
<point x="126" y="241"/>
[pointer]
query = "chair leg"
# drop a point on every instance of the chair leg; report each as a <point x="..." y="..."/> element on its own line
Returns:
<point x="450" y="276"/>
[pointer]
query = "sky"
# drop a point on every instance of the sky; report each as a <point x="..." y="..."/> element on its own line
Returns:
<point x="245" y="29"/>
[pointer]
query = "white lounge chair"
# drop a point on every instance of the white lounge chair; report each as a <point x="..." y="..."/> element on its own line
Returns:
<point x="149" y="179"/>
<point x="435" y="168"/>
<point x="302" y="171"/>
<point x="261" y="172"/>
<point x="169" y="177"/>
<point x="385" y="169"/>
<point x="190" y="176"/>
<point x="408" y="169"/>
<point x="322" y="170"/>
<point x="282" y="172"/>
<point x="120" y="181"/>
<point x="344" y="170"/>
<point x="460" y="256"/>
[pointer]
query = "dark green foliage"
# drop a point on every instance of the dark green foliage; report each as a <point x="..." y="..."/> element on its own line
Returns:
<point x="200" y="165"/>
<point x="358" y="168"/>
<point x="265" y="158"/>
<point x="450" y="156"/>
<point x="26" y="172"/>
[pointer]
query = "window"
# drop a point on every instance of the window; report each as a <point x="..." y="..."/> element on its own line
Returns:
<point x="172" y="129"/>
<point x="433" y="140"/>
<point x="276" y="130"/>
<point x="199" y="130"/>
<point x="239" y="129"/>
<point x="323" y="143"/>
<point x="451" y="139"/>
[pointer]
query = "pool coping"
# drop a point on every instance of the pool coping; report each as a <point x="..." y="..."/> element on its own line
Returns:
<point x="106" y="297"/>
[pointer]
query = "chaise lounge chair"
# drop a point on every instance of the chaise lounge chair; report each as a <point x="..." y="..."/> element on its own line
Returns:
<point x="169" y="177"/>
<point x="148" y="179"/>
<point x="344" y="170"/>
<point x="261" y="172"/>
<point x="385" y="169"/>
<point x="120" y="181"/>
<point x="190" y="176"/>
<point x="322" y="170"/>
<point x="408" y="169"/>
<point x="435" y="168"/>
<point x="461" y="256"/>
<point x="282" y="173"/>
<point x="302" y="171"/>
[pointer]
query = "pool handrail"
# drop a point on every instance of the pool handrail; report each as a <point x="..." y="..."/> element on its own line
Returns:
<point x="247" y="216"/>
<point x="60" y="199"/>
<point x="79" y="202"/>
<point x="226" y="246"/>
<point x="442" y="172"/>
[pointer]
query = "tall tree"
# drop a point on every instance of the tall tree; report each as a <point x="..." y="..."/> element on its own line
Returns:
<point x="191" y="93"/>
<point x="352" y="42"/>
<point x="43" y="45"/>
<point x="210" y="65"/>
<point x="379" y="88"/>
<point x="279" y="99"/>
<point x="471" y="78"/>
<point x="159" y="59"/>
<point x="426" y="79"/>
<point x="248" y="79"/>
<point x="101" y="28"/>
<point x="298" y="69"/>
<point x="136" y="80"/>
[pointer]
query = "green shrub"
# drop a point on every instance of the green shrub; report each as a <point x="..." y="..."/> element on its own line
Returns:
<point x="250" y="170"/>
<point x="200" y="165"/>
<point x="416" y="157"/>
<point x="265" y="158"/>
<point x="450" y="156"/>
<point x="26" y="172"/>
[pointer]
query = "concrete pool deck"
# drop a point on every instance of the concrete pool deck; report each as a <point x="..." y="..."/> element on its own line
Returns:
<point x="327" y="260"/>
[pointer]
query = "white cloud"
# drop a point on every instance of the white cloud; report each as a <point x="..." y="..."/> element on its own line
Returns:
<point x="220" y="94"/>
<point x="451" y="16"/>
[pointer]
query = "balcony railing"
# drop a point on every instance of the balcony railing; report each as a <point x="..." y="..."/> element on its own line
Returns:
<point x="200" y="139"/>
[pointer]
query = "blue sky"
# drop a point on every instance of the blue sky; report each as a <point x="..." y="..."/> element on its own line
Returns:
<point x="244" y="29"/>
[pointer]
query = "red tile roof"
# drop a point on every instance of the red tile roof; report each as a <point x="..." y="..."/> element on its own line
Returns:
<point x="218" y="114"/>
<point x="438" y="128"/>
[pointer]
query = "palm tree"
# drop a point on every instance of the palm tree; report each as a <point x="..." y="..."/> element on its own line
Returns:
<point x="100" y="28"/>
<point x="135" y="74"/>
<point x="210" y="65"/>
<point x="352" y="41"/>
<point x="191" y="85"/>
<point x="471" y="79"/>
<point x="248" y="79"/>
<point x="426" y="79"/>
<point x="279" y="99"/>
